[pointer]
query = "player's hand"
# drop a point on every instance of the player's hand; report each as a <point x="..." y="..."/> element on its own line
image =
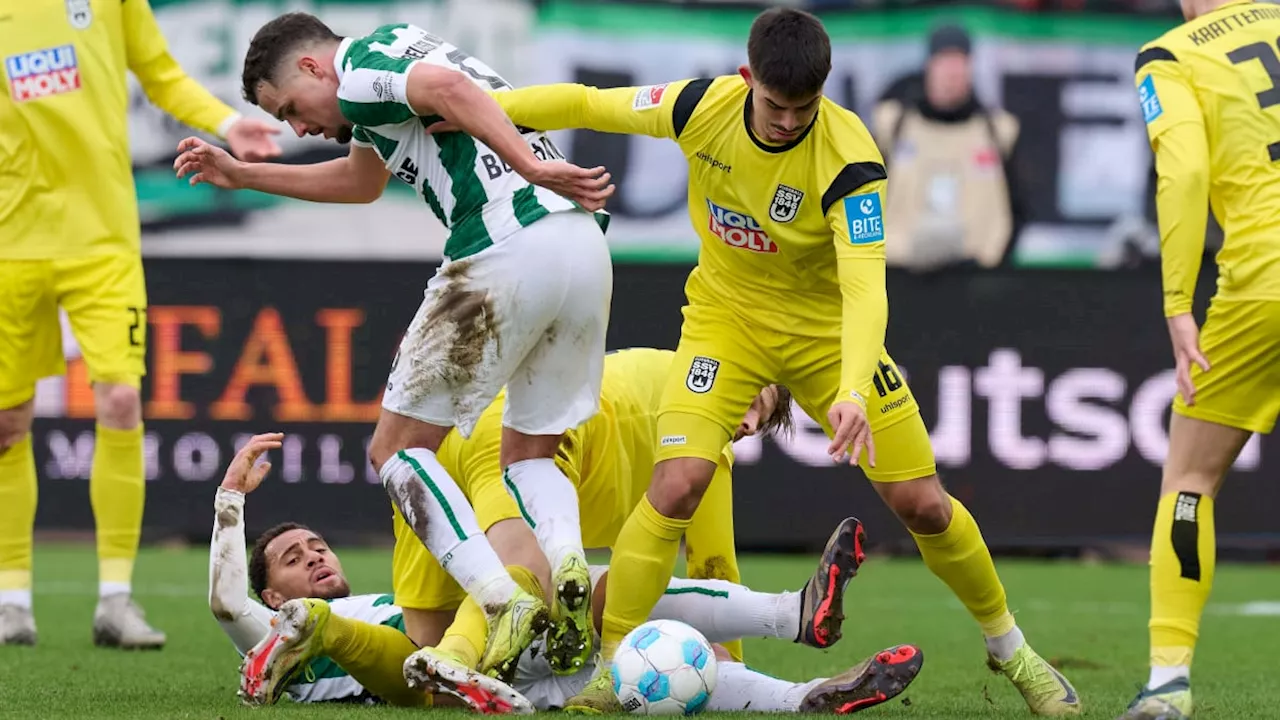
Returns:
<point x="590" y="188"/>
<point x="209" y="163"/>
<point x="1185" y="336"/>
<point x="251" y="139"/>
<point x="245" y="473"/>
<point x="852" y="433"/>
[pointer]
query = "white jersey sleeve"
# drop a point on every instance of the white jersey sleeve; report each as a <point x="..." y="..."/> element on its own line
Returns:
<point x="243" y="620"/>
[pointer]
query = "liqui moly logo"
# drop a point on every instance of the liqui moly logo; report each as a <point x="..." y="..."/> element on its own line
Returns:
<point x="738" y="230"/>
<point x="42" y="73"/>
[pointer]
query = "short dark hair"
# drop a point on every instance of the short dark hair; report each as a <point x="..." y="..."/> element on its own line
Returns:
<point x="780" y="422"/>
<point x="789" y="52"/>
<point x="258" y="558"/>
<point x="274" y="42"/>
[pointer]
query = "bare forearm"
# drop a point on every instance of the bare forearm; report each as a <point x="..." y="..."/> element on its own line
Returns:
<point x="477" y="114"/>
<point x="328" y="182"/>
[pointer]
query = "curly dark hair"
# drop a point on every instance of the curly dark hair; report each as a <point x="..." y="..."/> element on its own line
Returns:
<point x="780" y="422"/>
<point x="274" y="42"/>
<point x="258" y="558"/>
<point x="789" y="52"/>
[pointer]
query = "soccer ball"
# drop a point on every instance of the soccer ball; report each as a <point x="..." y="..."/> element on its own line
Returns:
<point x="664" y="667"/>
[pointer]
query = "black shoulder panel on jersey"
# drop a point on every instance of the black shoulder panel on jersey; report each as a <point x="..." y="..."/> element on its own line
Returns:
<point x="1152" y="54"/>
<point x="687" y="102"/>
<point x="852" y="177"/>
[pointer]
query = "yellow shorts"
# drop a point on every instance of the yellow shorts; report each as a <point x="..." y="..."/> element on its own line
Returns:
<point x="723" y="362"/>
<point x="105" y="298"/>
<point x="1241" y="341"/>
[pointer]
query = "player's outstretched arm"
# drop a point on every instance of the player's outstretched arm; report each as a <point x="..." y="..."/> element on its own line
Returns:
<point x="175" y="92"/>
<point x="433" y="90"/>
<point x="243" y="620"/>
<point x="646" y="110"/>
<point x="360" y="177"/>
<point x="1175" y="126"/>
<point x="854" y="212"/>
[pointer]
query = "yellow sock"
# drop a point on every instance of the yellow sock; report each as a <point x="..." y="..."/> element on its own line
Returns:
<point x="117" y="490"/>
<point x="644" y="557"/>
<point x="17" y="516"/>
<point x="466" y="637"/>
<point x="1182" y="562"/>
<point x="373" y="655"/>
<point x="959" y="557"/>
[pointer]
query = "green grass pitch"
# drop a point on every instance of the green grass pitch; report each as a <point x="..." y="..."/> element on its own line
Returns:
<point x="1089" y="619"/>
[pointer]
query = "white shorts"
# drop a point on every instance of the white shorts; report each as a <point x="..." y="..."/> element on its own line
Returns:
<point x="529" y="312"/>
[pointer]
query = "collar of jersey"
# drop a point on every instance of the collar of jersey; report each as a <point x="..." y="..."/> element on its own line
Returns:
<point x="341" y="55"/>
<point x="746" y="122"/>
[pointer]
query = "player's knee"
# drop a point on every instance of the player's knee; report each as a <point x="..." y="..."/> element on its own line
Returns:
<point x="119" y="406"/>
<point x="15" y="423"/>
<point x="922" y="505"/>
<point x="678" y="486"/>
<point x="397" y="432"/>
<point x="518" y="447"/>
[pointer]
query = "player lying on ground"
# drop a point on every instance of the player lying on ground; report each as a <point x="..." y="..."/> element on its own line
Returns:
<point x="608" y="459"/>
<point x="71" y="242"/>
<point x="785" y="191"/>
<point x="524" y="292"/>
<point x="1207" y="89"/>
<point x="352" y="648"/>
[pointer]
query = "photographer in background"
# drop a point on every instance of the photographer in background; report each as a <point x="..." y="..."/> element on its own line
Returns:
<point x="950" y="201"/>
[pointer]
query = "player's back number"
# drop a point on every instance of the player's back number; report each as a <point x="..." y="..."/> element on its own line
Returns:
<point x="1264" y="53"/>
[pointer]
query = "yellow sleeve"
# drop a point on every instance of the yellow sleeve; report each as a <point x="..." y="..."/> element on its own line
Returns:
<point x="854" y="209"/>
<point x="659" y="111"/>
<point x="1175" y="126"/>
<point x="164" y="81"/>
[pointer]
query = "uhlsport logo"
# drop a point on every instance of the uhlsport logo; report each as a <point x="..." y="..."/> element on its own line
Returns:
<point x="42" y="73"/>
<point x="738" y="229"/>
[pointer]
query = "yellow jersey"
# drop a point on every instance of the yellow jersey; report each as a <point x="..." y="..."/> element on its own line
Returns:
<point x="609" y="458"/>
<point x="1210" y="95"/>
<point x="791" y="236"/>
<point x="66" y="187"/>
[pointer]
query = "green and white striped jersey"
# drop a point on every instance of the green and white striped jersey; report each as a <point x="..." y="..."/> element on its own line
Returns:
<point x="477" y="196"/>
<point x="322" y="680"/>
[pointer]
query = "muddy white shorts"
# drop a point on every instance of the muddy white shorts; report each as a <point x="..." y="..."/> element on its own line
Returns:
<point x="529" y="312"/>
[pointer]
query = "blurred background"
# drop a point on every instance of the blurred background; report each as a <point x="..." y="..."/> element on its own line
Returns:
<point x="1025" y="288"/>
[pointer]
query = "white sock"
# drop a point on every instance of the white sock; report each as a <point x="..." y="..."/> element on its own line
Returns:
<point x="114" y="588"/>
<point x="1161" y="674"/>
<point x="1004" y="646"/>
<point x="435" y="508"/>
<point x="21" y="598"/>
<point x="723" y="611"/>
<point x="739" y="688"/>
<point x="550" y="505"/>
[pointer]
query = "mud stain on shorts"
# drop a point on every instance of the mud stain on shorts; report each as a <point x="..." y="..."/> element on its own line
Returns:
<point x="458" y="336"/>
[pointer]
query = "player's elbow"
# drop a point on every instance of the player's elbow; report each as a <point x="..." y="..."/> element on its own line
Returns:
<point x="221" y="609"/>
